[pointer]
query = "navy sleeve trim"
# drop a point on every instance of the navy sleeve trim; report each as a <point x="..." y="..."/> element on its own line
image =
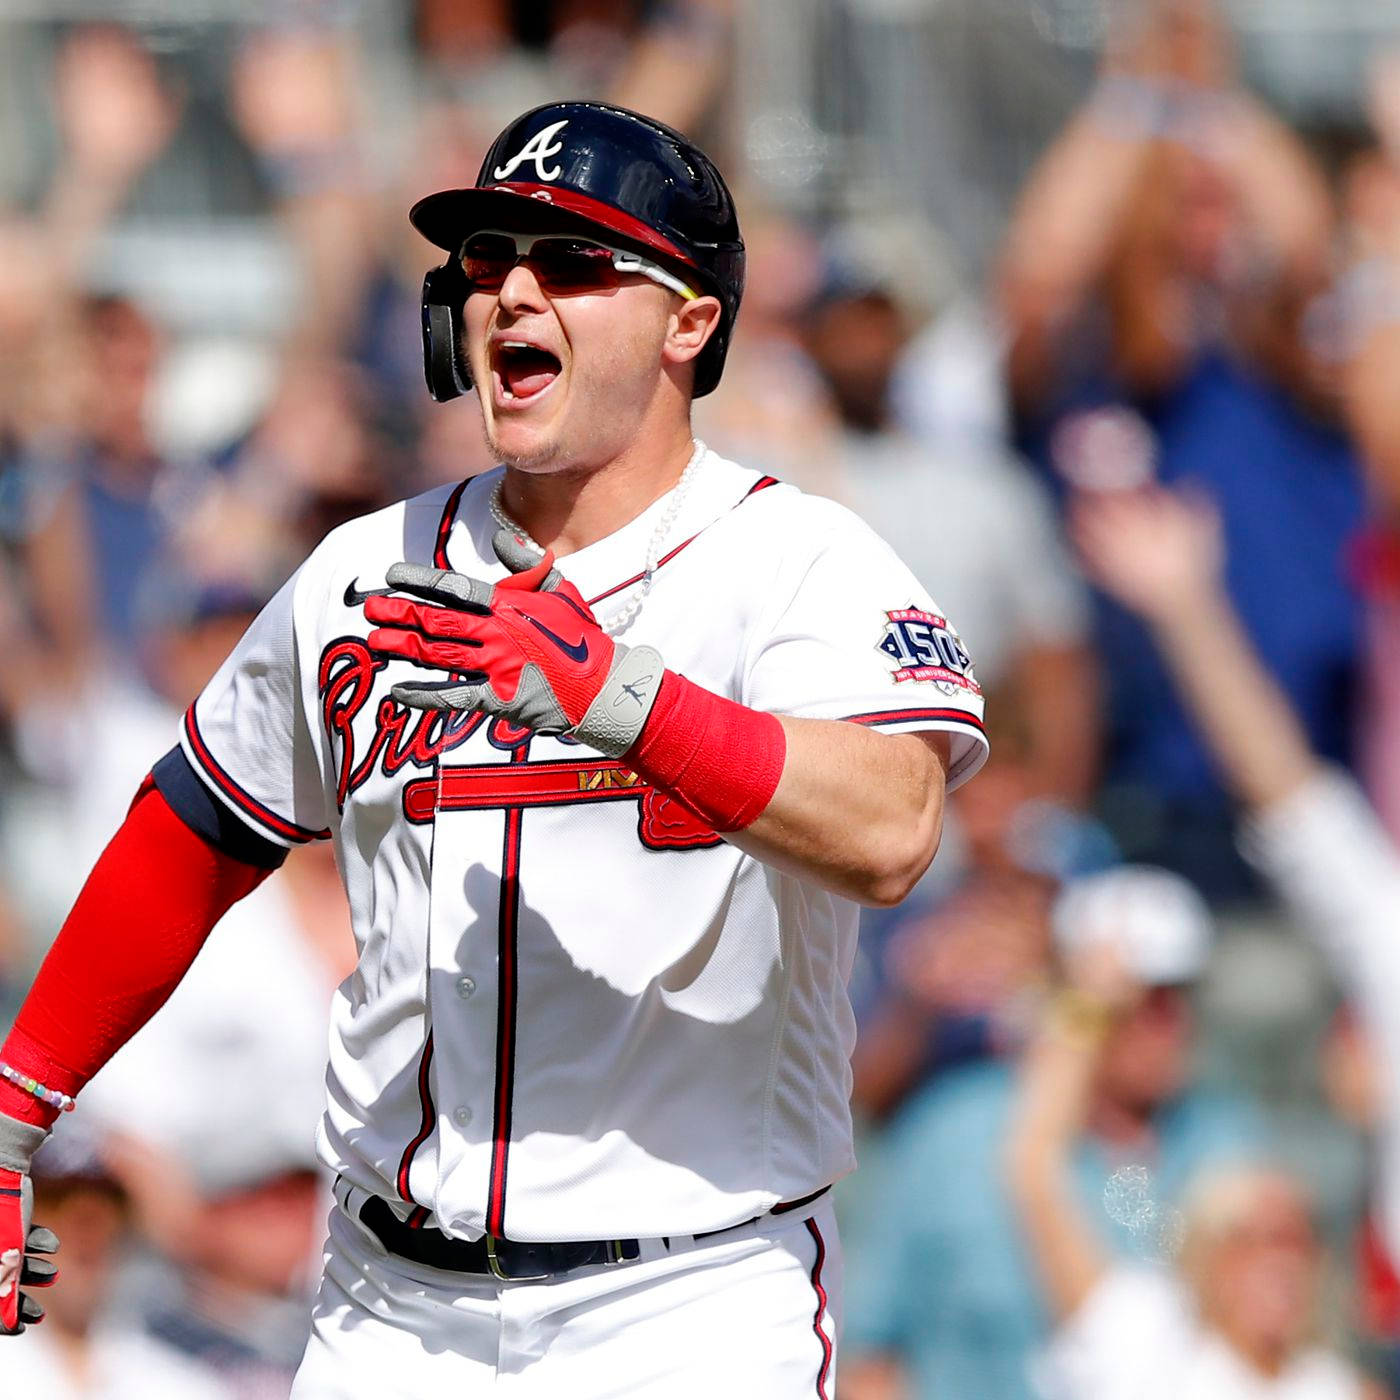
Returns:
<point x="207" y="817"/>
<point x="942" y="716"/>
<point x="239" y="795"/>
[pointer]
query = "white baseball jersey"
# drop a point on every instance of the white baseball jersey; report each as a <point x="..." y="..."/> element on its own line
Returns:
<point x="577" y="1013"/>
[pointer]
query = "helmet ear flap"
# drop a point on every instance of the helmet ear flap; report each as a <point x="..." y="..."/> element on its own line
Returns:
<point x="444" y="364"/>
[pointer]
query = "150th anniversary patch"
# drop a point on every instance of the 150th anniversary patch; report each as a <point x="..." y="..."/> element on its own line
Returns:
<point x="925" y="648"/>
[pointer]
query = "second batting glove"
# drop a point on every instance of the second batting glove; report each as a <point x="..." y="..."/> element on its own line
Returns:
<point x="20" y="1241"/>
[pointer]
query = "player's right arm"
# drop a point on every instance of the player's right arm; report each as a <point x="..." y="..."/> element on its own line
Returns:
<point x="859" y="811"/>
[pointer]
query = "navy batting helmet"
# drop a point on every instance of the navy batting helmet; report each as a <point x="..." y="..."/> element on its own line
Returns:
<point x="572" y="166"/>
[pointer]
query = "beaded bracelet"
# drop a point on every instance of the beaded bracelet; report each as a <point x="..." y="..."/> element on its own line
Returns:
<point x="65" y="1103"/>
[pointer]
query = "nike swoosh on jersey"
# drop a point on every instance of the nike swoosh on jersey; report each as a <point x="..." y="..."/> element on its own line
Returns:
<point x="355" y="597"/>
<point x="577" y="652"/>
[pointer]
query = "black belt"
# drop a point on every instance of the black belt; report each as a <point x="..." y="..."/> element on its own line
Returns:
<point x="511" y="1259"/>
<point x="505" y="1259"/>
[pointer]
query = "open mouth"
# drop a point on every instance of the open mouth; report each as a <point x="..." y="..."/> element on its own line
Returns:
<point x="524" y="370"/>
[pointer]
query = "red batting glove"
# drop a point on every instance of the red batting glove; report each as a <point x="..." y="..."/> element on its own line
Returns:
<point x="527" y="649"/>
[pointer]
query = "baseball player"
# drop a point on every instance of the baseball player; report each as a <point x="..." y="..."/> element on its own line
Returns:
<point x="611" y="742"/>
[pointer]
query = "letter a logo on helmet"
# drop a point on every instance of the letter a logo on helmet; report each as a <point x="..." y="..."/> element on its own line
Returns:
<point x="538" y="150"/>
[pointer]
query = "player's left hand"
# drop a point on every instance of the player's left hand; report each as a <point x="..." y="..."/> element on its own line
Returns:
<point x="20" y="1244"/>
<point x="21" y="1241"/>
<point x="527" y="649"/>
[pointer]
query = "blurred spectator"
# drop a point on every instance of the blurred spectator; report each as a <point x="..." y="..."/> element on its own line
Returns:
<point x="772" y="407"/>
<point x="941" y="1292"/>
<point x="107" y="504"/>
<point x="446" y="147"/>
<point x="300" y="100"/>
<point x="295" y="96"/>
<point x="1307" y="826"/>
<point x="668" y="59"/>
<point x="1370" y="309"/>
<point x="1157" y="278"/>
<point x="75" y="374"/>
<point x="974" y="527"/>
<point x="14" y="960"/>
<point x="115" y="116"/>
<point x="954" y="984"/>
<point x="1235" y="1321"/>
<point x="93" y="746"/>
<point x="86" y="1348"/>
<point x="576" y="43"/>
<point x="313" y="461"/>
<point x="950" y="977"/>
<point x="679" y="63"/>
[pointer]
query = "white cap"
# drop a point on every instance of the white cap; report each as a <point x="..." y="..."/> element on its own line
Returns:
<point x="1158" y="919"/>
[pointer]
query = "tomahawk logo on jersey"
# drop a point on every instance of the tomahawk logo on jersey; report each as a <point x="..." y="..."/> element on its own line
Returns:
<point x="521" y="902"/>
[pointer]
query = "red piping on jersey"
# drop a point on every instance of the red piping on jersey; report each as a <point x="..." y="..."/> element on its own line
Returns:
<point x="507" y="963"/>
<point x="784" y="1206"/>
<point x="820" y="1288"/>
<point x="449" y="514"/>
<point x="904" y="716"/>
<point x="426" y="1124"/>
<point x="508" y="917"/>
<point x="762" y="484"/>
<point x="289" y="831"/>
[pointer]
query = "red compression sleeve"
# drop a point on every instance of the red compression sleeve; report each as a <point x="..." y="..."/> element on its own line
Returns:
<point x="722" y="759"/>
<point x="145" y="911"/>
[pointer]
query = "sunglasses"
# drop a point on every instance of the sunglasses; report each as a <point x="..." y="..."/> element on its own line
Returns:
<point x="561" y="264"/>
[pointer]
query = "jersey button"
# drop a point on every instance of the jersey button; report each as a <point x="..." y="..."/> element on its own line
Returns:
<point x="461" y="1116"/>
<point x="465" y="987"/>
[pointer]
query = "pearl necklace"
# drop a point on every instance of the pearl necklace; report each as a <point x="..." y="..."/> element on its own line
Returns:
<point x="620" y="621"/>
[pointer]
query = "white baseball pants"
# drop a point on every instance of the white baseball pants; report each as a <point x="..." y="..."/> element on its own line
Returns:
<point x="749" y="1314"/>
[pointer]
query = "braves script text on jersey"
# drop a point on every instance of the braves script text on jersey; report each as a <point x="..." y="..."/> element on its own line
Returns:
<point x="579" y="1014"/>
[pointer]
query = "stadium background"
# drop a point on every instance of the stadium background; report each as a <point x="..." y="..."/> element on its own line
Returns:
<point x="209" y="356"/>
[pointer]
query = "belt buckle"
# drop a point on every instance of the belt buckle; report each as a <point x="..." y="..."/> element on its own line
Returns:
<point x="499" y="1270"/>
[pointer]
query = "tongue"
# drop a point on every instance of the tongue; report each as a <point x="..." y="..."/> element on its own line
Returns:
<point x="526" y="372"/>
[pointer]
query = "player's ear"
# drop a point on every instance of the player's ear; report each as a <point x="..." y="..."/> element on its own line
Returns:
<point x="690" y="325"/>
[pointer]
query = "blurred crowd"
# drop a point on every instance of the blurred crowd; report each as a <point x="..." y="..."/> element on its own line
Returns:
<point x="1128" y="1075"/>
